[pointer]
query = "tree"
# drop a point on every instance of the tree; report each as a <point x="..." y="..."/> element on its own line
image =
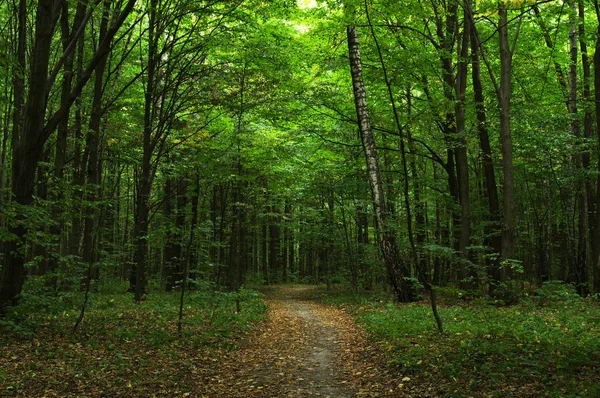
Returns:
<point x="396" y="269"/>
<point x="36" y="130"/>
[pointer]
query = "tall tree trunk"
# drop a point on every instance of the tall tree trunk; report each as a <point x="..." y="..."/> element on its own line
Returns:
<point x="420" y="221"/>
<point x="447" y="34"/>
<point x="237" y="263"/>
<point x="145" y="183"/>
<point x="397" y="270"/>
<point x="596" y="231"/>
<point x="582" y="228"/>
<point x="263" y="252"/>
<point x="460" y="149"/>
<point x="78" y="163"/>
<point x="28" y="150"/>
<point x="62" y="131"/>
<point x="36" y="130"/>
<point x="90" y="227"/>
<point x="18" y="86"/>
<point x="4" y="123"/>
<point x="504" y="96"/>
<point x="288" y="238"/>
<point x="588" y="121"/>
<point x="274" y="236"/>
<point x="493" y="238"/>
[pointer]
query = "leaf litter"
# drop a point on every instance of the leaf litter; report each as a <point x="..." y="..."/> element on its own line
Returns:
<point x="303" y="349"/>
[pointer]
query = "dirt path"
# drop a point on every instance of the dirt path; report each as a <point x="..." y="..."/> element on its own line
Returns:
<point x="305" y="349"/>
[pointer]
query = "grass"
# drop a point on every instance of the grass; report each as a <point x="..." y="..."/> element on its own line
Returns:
<point x="121" y="348"/>
<point x="548" y="345"/>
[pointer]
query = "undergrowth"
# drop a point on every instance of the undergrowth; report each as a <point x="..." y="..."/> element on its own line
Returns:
<point x="547" y="345"/>
<point x="120" y="345"/>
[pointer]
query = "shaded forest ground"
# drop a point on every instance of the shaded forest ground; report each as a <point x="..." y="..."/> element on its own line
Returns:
<point x="547" y="345"/>
<point x="299" y="348"/>
<point x="307" y="348"/>
<point x="306" y="344"/>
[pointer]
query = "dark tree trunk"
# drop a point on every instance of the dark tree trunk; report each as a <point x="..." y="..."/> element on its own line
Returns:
<point x="90" y="228"/>
<point x="263" y="252"/>
<point x="145" y="182"/>
<point x="28" y="150"/>
<point x="493" y="231"/>
<point x="173" y="254"/>
<point x="78" y="164"/>
<point x="588" y="121"/>
<point x="447" y="34"/>
<point x="274" y="237"/>
<point x="460" y="149"/>
<point x="596" y="231"/>
<point x="34" y="133"/>
<point x="288" y="255"/>
<point x="504" y="95"/>
<point x="236" y="267"/>
<point x="581" y="278"/>
<point x="62" y="130"/>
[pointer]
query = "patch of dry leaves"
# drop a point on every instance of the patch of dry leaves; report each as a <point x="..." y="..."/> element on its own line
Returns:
<point x="278" y="360"/>
<point x="303" y="349"/>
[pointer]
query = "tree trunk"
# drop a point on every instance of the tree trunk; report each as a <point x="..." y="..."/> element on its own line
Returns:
<point x="263" y="253"/>
<point x="396" y="269"/>
<point x="90" y="227"/>
<point x="28" y="151"/>
<point x="274" y="236"/>
<point x="493" y="238"/>
<point x="582" y="210"/>
<point x="34" y="134"/>
<point x="596" y="231"/>
<point x="145" y="183"/>
<point x="504" y="95"/>
<point x="78" y="163"/>
<point x="460" y="149"/>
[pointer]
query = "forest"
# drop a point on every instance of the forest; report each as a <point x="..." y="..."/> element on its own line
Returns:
<point x="188" y="188"/>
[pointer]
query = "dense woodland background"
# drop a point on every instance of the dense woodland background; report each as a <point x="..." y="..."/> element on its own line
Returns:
<point x="160" y="160"/>
<point x="217" y="142"/>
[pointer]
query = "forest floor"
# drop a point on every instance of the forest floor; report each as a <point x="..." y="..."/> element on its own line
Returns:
<point x="311" y="342"/>
<point x="301" y="348"/>
<point x="307" y="349"/>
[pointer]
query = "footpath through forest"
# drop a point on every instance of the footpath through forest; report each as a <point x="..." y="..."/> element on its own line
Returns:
<point x="306" y="349"/>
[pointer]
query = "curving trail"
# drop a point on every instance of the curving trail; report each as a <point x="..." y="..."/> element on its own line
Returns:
<point x="305" y="349"/>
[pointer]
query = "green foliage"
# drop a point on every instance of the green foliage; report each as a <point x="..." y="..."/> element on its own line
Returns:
<point x="522" y="350"/>
<point x="118" y="335"/>
<point x="210" y="316"/>
<point x="555" y="293"/>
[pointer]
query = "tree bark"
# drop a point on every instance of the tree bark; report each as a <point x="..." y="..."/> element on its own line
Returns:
<point x="596" y="231"/>
<point x="493" y="232"/>
<point x="35" y="132"/>
<point x="145" y="183"/>
<point x="90" y="225"/>
<point x="28" y="151"/>
<point x="460" y="149"/>
<point x="274" y="237"/>
<point x="504" y="96"/>
<point x="397" y="270"/>
<point x="582" y="210"/>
